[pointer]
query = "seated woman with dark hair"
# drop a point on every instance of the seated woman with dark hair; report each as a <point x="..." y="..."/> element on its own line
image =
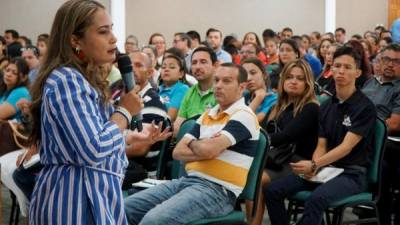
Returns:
<point x="13" y="88"/>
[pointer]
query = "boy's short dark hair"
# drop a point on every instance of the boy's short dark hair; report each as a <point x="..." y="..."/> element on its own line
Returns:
<point x="13" y="33"/>
<point x="349" y="51"/>
<point x="194" y="35"/>
<point x="341" y="29"/>
<point x="287" y="29"/>
<point x="268" y="33"/>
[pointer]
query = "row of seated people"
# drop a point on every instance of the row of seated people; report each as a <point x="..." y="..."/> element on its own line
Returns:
<point x="258" y="97"/>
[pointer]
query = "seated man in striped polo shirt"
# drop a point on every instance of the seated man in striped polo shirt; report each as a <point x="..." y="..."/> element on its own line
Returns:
<point x="218" y="153"/>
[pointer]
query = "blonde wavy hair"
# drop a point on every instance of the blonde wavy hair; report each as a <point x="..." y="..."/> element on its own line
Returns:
<point x="307" y="96"/>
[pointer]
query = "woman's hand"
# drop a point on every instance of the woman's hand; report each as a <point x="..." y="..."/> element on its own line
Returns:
<point x="260" y="94"/>
<point x="131" y="101"/>
<point x="150" y="134"/>
<point x="24" y="105"/>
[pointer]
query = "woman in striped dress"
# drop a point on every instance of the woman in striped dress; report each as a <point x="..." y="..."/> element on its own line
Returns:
<point x="78" y="132"/>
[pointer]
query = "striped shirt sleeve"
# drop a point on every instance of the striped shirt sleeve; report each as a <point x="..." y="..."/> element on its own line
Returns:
<point x="241" y="126"/>
<point x="76" y="105"/>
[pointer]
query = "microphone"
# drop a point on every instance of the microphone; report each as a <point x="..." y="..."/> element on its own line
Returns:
<point x="125" y="67"/>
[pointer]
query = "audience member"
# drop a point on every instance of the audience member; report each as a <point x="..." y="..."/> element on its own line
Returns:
<point x="340" y="35"/>
<point x="42" y="42"/>
<point x="13" y="88"/>
<point x="173" y="86"/>
<point x="258" y="96"/>
<point x="295" y="111"/>
<point x="286" y="33"/>
<point x="345" y="140"/>
<point x="131" y="44"/>
<point x="314" y="62"/>
<point x="158" y="40"/>
<point x="199" y="97"/>
<point x="195" y="37"/>
<point x="325" y="80"/>
<point x="31" y="55"/>
<point x="214" y="39"/>
<point x="13" y="46"/>
<point x="288" y="51"/>
<point x="271" y="48"/>
<point x="24" y="41"/>
<point x="252" y="37"/>
<point x="214" y="140"/>
<point x="3" y="53"/>
<point x="183" y="42"/>
<point x="323" y="49"/>
<point x="384" y="92"/>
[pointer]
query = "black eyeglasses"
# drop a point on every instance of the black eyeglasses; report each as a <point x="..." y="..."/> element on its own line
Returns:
<point x="33" y="49"/>
<point x="387" y="60"/>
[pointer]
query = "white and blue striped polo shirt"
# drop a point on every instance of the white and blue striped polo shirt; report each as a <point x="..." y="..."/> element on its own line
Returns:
<point x="231" y="167"/>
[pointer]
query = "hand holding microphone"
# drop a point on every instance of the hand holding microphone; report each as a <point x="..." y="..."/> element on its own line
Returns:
<point x="131" y="100"/>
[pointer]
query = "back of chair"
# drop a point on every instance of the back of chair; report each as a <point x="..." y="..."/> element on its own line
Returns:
<point x="377" y="157"/>
<point x="164" y="156"/>
<point x="250" y="191"/>
<point x="185" y="128"/>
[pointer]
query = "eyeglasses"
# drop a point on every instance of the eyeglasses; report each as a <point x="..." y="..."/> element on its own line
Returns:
<point x="387" y="60"/>
<point x="177" y="40"/>
<point x="33" y="49"/>
<point x="247" y="52"/>
<point x="131" y="43"/>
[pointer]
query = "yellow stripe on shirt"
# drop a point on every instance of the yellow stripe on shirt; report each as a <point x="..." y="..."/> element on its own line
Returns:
<point x="221" y="170"/>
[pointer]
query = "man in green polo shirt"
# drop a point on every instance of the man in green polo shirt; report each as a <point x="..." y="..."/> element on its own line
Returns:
<point x="199" y="97"/>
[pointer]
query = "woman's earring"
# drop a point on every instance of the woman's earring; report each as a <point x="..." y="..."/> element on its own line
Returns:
<point x="79" y="53"/>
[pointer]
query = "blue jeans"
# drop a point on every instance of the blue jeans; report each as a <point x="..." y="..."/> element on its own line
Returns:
<point x="350" y="182"/>
<point x="179" y="201"/>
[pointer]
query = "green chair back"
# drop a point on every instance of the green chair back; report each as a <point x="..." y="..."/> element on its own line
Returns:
<point x="322" y="98"/>
<point x="377" y="157"/>
<point x="165" y="155"/>
<point x="185" y="128"/>
<point x="251" y="189"/>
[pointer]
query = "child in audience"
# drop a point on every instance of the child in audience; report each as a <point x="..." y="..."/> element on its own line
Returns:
<point x="172" y="88"/>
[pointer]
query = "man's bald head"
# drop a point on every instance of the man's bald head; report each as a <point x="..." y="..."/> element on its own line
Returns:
<point x="142" y="57"/>
<point x="142" y="68"/>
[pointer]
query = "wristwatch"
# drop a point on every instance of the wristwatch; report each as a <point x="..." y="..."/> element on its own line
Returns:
<point x="313" y="166"/>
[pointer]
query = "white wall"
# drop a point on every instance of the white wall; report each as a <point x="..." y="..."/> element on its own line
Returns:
<point x="358" y="16"/>
<point x="230" y="16"/>
<point x="30" y="17"/>
<point x="144" y="17"/>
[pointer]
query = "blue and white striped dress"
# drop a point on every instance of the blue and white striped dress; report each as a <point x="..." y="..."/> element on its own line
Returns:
<point x="83" y="154"/>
